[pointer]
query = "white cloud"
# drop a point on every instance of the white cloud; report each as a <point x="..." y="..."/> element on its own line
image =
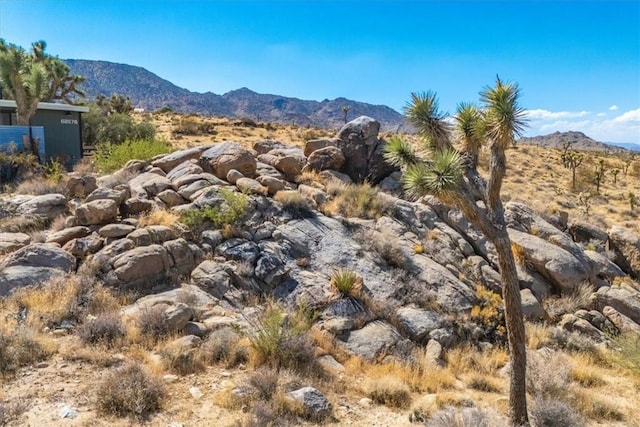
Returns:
<point x="551" y="115"/>
<point x="614" y="107"/>
<point x="629" y="116"/>
<point x="624" y="127"/>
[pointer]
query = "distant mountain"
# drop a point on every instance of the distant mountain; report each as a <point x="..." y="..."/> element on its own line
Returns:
<point x="578" y="140"/>
<point x="628" y="145"/>
<point x="151" y="92"/>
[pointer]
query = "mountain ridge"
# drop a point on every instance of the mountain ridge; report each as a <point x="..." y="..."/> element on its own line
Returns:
<point x="148" y="90"/>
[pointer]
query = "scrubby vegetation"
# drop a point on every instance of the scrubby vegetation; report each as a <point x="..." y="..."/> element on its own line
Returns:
<point x="109" y="157"/>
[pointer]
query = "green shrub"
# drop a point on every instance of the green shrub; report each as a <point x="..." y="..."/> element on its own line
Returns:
<point x="110" y="157"/>
<point x="116" y="128"/>
<point x="228" y="213"/>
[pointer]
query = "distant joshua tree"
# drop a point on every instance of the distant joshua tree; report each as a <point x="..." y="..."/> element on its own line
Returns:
<point x="599" y="175"/>
<point x="615" y="173"/>
<point x="452" y="177"/>
<point x="345" y="111"/>
<point x="571" y="160"/>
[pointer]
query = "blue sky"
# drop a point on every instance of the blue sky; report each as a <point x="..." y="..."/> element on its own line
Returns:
<point x="577" y="62"/>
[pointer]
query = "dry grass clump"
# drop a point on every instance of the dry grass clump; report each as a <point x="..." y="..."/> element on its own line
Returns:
<point x="152" y="322"/>
<point x="570" y="302"/>
<point x="129" y="391"/>
<point x="295" y="204"/>
<point x="226" y="347"/>
<point x="601" y="408"/>
<point x="461" y="360"/>
<point x="555" y="413"/>
<point x="158" y="217"/>
<point x="385" y="244"/>
<point x="77" y="351"/>
<point x="265" y="382"/>
<point x="357" y="200"/>
<point x="22" y="224"/>
<point x="584" y="371"/>
<point x="282" y="343"/>
<point x="484" y="383"/>
<point x="388" y="390"/>
<point x="11" y="410"/>
<point x="537" y="335"/>
<point x="62" y="298"/>
<point x="22" y="347"/>
<point x="181" y="361"/>
<point x="462" y="417"/>
<point x="106" y="329"/>
<point x="39" y="185"/>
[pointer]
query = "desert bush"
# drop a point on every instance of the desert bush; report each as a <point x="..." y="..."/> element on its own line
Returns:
<point x="386" y="245"/>
<point x="110" y="157"/>
<point x="389" y="391"/>
<point x="358" y="200"/>
<point x="347" y="282"/>
<point x="11" y="410"/>
<point x="555" y="413"/>
<point x="62" y="298"/>
<point x="489" y="312"/>
<point x="104" y="329"/>
<point x="192" y="126"/>
<point x="229" y="213"/>
<point x="280" y="343"/>
<point x="627" y="352"/>
<point x="181" y="361"/>
<point x="19" y="348"/>
<point x="224" y="345"/>
<point x="547" y="375"/>
<point x="265" y="381"/>
<point x="152" y="322"/>
<point x="99" y="128"/>
<point x="295" y="204"/>
<point x="462" y="417"/>
<point x="129" y="391"/>
<point x="570" y="302"/>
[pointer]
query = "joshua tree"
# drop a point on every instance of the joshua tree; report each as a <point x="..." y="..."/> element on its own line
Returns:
<point x="452" y="177"/>
<point x="615" y="173"/>
<point x="571" y="160"/>
<point x="599" y="175"/>
<point x="345" y="111"/>
<point x="35" y="76"/>
<point x="631" y="196"/>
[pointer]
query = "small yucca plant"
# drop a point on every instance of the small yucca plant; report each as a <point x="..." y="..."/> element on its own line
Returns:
<point x="347" y="282"/>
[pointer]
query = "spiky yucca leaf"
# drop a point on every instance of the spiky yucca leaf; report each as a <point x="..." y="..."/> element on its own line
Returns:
<point x="423" y="112"/>
<point x="505" y="118"/>
<point x="398" y="152"/>
<point x="470" y="127"/>
<point x="440" y="178"/>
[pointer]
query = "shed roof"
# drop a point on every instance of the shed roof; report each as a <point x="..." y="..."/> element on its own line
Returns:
<point x="8" y="103"/>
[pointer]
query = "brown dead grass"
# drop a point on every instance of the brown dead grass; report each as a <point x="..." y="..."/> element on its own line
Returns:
<point x="159" y="217"/>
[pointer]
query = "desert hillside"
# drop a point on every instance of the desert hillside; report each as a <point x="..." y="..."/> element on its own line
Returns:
<point x="262" y="274"/>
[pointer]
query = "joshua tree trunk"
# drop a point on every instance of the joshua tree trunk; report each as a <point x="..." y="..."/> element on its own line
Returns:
<point x="515" y="329"/>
